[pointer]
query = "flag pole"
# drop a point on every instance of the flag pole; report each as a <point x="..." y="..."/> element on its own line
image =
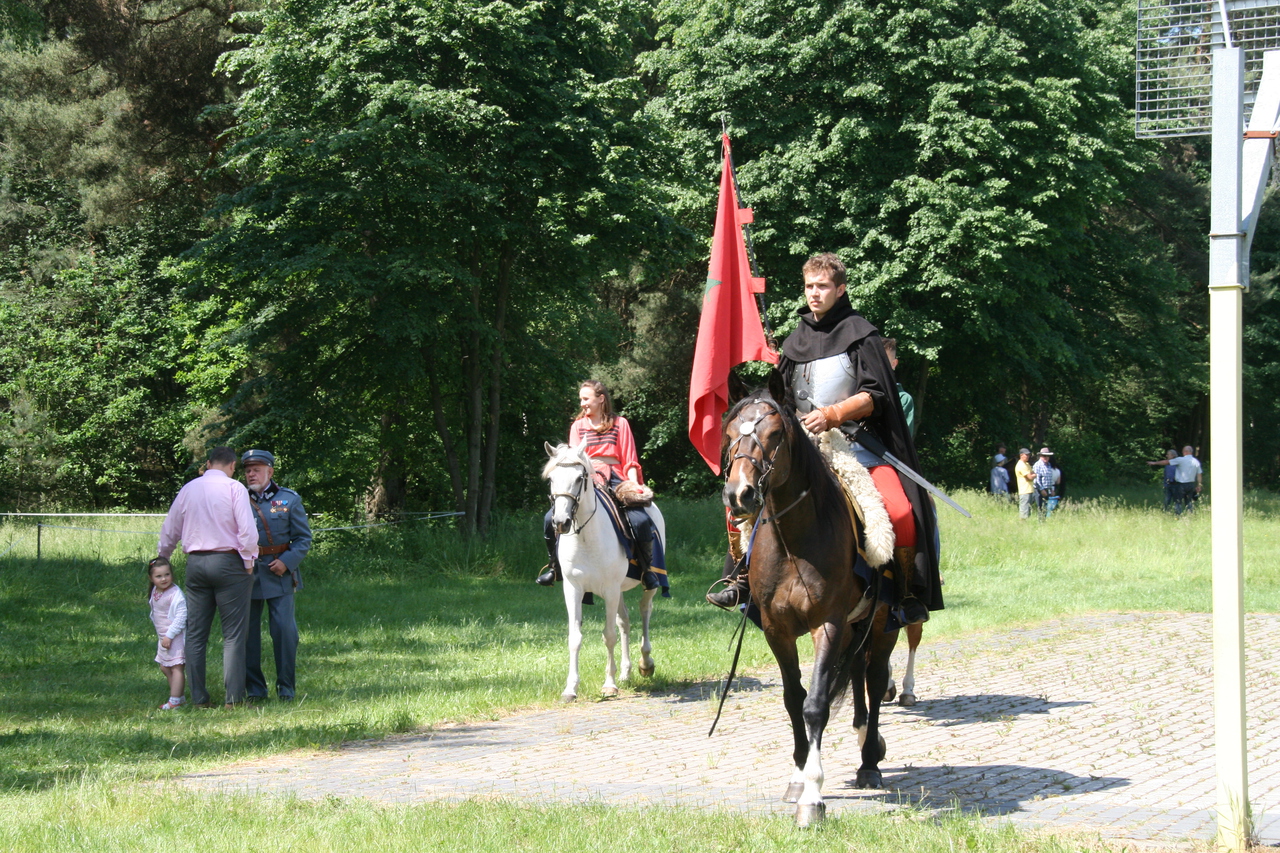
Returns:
<point x="751" y="246"/>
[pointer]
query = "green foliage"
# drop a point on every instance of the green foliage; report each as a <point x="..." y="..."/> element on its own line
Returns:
<point x="423" y="212"/>
<point x="974" y="165"/>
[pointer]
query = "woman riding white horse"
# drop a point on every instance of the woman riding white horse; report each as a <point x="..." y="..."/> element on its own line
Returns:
<point x="606" y="438"/>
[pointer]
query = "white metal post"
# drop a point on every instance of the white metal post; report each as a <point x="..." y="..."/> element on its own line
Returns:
<point x="1226" y="271"/>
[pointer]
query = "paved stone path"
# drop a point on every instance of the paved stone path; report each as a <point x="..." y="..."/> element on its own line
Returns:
<point x="1100" y="724"/>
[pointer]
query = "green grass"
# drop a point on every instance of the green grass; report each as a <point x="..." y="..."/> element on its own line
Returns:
<point x="406" y="628"/>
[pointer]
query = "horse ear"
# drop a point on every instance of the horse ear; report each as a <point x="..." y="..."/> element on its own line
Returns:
<point x="778" y="389"/>
<point x="551" y="451"/>
<point x="737" y="388"/>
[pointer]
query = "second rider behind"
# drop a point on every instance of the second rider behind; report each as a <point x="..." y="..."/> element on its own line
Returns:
<point x="608" y="441"/>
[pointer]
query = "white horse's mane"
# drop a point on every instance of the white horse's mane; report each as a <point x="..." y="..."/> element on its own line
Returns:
<point x="564" y="454"/>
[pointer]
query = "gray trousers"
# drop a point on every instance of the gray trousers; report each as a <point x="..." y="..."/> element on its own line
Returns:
<point x="283" y="628"/>
<point x="1024" y="504"/>
<point x="217" y="583"/>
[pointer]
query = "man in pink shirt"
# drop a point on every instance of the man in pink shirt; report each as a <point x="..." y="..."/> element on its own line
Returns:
<point x="212" y="518"/>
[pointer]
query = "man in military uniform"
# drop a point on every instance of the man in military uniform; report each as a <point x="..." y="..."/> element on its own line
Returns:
<point x="835" y="364"/>
<point x="284" y="537"/>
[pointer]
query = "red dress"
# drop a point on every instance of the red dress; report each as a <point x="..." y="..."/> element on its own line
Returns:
<point x="616" y="442"/>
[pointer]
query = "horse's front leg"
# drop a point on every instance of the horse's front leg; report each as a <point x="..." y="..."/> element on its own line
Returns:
<point x="827" y="641"/>
<point x="612" y="599"/>
<point x="793" y="696"/>
<point x="647" y="665"/>
<point x="573" y="604"/>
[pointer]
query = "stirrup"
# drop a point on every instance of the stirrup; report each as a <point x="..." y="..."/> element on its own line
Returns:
<point x="912" y="611"/>
<point x="548" y="576"/>
<point x="727" y="598"/>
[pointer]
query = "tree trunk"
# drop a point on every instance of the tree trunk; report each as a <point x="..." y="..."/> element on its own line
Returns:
<point x="506" y="264"/>
<point x="446" y="437"/>
<point x="387" y="491"/>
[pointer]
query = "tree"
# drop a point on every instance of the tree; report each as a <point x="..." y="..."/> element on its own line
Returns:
<point x="973" y="164"/>
<point x="423" y="210"/>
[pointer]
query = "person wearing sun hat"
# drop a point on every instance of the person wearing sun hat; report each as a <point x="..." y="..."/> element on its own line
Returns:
<point x="1043" y="484"/>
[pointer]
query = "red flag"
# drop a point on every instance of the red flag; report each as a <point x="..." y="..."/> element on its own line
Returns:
<point x="729" y="332"/>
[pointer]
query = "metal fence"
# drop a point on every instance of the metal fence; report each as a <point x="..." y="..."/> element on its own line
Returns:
<point x="1174" y="49"/>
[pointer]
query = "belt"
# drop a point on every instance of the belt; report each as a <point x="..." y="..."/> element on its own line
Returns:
<point x="216" y="551"/>
<point x="271" y="550"/>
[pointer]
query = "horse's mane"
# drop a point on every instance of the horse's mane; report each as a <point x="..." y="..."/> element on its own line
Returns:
<point x="562" y="451"/>
<point x="807" y="461"/>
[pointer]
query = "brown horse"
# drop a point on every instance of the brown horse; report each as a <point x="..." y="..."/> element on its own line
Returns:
<point x="785" y="499"/>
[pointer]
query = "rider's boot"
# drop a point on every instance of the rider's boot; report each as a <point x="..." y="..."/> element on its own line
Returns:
<point x="551" y="571"/>
<point x="733" y="594"/>
<point x="644" y="557"/>
<point x="911" y="610"/>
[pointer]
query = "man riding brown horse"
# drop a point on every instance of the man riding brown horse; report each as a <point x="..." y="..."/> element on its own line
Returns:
<point x="835" y="366"/>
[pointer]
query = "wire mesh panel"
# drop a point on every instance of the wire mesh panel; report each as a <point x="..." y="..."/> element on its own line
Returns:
<point x="1174" y="59"/>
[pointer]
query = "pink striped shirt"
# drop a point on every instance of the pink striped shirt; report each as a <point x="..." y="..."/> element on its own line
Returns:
<point x="211" y="513"/>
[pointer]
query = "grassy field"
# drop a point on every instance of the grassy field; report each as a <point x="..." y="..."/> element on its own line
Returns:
<point x="410" y="627"/>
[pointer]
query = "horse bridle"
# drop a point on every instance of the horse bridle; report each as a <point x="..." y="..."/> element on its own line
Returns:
<point x="747" y="430"/>
<point x="575" y="497"/>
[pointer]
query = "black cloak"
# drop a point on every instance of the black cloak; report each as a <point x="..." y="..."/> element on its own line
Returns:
<point x="844" y="330"/>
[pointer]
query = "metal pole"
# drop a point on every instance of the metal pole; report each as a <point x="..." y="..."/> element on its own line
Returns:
<point x="39" y="527"/>
<point x="1225" y="329"/>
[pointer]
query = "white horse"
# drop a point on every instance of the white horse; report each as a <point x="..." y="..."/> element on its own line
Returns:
<point x="593" y="560"/>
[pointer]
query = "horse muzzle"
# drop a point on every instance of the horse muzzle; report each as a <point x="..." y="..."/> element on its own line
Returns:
<point x="743" y="499"/>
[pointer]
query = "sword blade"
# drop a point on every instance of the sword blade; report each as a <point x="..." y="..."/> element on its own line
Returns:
<point x="906" y="471"/>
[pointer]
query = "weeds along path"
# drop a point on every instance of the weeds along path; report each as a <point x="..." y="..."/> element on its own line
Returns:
<point x="1099" y="724"/>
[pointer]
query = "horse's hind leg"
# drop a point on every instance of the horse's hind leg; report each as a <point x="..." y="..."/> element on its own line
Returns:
<point x="623" y="622"/>
<point x="908" y="697"/>
<point x="647" y="664"/>
<point x="877" y="678"/>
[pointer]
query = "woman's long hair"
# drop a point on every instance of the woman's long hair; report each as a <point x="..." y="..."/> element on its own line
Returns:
<point x="606" y="411"/>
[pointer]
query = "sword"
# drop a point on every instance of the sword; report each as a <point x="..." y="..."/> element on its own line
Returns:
<point x="873" y="445"/>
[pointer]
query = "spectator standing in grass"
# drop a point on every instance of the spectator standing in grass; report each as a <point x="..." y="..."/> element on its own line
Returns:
<point x="1044" y="484"/>
<point x="212" y="519"/>
<point x="1188" y="479"/>
<point x="999" y="477"/>
<point x="169" y="615"/>
<point x="1025" y="479"/>
<point x="908" y="403"/>
<point x="284" y="537"/>
<point x="1170" y="476"/>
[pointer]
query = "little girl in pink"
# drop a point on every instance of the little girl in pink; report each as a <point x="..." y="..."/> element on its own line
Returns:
<point x="169" y="613"/>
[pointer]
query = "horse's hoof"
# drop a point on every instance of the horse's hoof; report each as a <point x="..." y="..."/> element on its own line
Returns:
<point x="891" y="692"/>
<point x="568" y="697"/>
<point x="907" y="700"/>
<point x="609" y="691"/>
<point x="869" y="777"/>
<point x="794" y="790"/>
<point x="647" y="671"/>
<point x="808" y="814"/>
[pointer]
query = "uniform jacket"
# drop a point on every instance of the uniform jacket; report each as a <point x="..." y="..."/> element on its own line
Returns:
<point x="287" y="519"/>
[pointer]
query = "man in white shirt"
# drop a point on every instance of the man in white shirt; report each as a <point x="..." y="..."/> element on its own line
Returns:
<point x="1188" y="479"/>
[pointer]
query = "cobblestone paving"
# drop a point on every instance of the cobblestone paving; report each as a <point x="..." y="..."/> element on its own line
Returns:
<point x="1101" y="724"/>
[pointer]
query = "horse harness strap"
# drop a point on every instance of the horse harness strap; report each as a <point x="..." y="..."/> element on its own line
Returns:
<point x="576" y="498"/>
